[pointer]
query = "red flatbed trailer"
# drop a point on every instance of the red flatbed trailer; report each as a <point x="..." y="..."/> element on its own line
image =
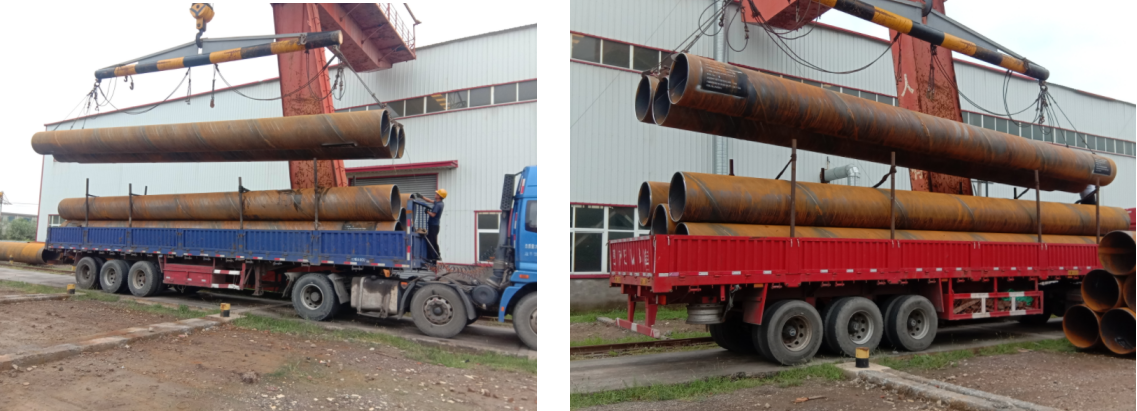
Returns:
<point x="750" y="274"/>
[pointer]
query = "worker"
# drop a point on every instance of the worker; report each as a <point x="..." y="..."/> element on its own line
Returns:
<point x="434" y="253"/>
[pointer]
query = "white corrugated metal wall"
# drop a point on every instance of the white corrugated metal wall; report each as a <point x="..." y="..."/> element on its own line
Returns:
<point x="488" y="142"/>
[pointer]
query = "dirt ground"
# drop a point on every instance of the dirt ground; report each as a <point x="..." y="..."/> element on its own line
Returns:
<point x="583" y="331"/>
<point x="37" y="324"/>
<point x="1076" y="381"/>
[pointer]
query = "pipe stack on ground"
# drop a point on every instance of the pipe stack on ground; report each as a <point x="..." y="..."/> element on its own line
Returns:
<point x="338" y="136"/>
<point x="711" y="97"/>
<point x="1112" y="323"/>
<point x="27" y="253"/>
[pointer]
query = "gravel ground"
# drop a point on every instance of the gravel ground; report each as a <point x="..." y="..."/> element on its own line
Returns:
<point x="37" y="324"/>
<point x="583" y="331"/>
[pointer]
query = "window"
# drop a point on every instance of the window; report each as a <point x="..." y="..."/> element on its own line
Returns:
<point x="531" y="216"/>
<point x="1109" y="146"/>
<point x="53" y="220"/>
<point x="527" y="90"/>
<point x="481" y="97"/>
<point x="593" y="227"/>
<point x="414" y="107"/>
<point x="457" y="100"/>
<point x="1013" y="128"/>
<point x="616" y="54"/>
<point x="1038" y="133"/>
<point x="1001" y="125"/>
<point x="975" y="120"/>
<point x="435" y="103"/>
<point x="488" y="231"/>
<point x="397" y="107"/>
<point x="850" y="92"/>
<point x="644" y="59"/>
<point x="989" y="122"/>
<point x="505" y="93"/>
<point x="585" y="48"/>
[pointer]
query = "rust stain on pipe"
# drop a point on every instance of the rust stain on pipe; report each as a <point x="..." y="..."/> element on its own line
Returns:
<point x="1101" y="291"/>
<point x="920" y="140"/>
<point x="652" y="193"/>
<point x="1117" y="331"/>
<point x="1117" y="252"/>
<point x="252" y="225"/>
<point x="661" y="222"/>
<point x="27" y="253"/>
<point x="1082" y="327"/>
<point x="337" y="136"/>
<point x="357" y="203"/>
<point x="712" y="198"/>
<point x="752" y="230"/>
<point x="645" y="95"/>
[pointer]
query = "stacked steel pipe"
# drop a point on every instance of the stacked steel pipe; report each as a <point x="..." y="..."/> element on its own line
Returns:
<point x="1108" y="296"/>
<point x="711" y="97"/>
<point x="718" y="205"/>
<point x="27" y="253"/>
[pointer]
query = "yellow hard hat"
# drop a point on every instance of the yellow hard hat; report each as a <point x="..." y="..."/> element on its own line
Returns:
<point x="441" y="192"/>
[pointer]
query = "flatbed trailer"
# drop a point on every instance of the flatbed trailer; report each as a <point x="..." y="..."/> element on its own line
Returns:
<point x="733" y="284"/>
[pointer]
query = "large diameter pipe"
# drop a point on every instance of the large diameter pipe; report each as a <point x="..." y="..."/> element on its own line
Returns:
<point x="712" y="198"/>
<point x="929" y="142"/>
<point x="1116" y="251"/>
<point x="652" y="194"/>
<point x="645" y="95"/>
<point x="336" y="136"/>
<point x="1130" y="298"/>
<point x="661" y="222"/>
<point x="1101" y="291"/>
<point x="27" y="253"/>
<point x="1117" y="331"/>
<point x="751" y="230"/>
<point x="251" y="225"/>
<point x="357" y="203"/>
<point x="1082" y="327"/>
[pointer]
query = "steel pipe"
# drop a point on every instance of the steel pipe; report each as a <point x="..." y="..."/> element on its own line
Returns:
<point x="357" y="203"/>
<point x="1082" y="327"/>
<point x="661" y="222"/>
<point x="1101" y="291"/>
<point x="712" y="198"/>
<point x="920" y="140"/>
<point x="652" y="193"/>
<point x="1116" y="251"/>
<point x="27" y="253"/>
<point x="337" y="136"/>
<point x="782" y="231"/>
<point x="401" y="141"/>
<point x="645" y="95"/>
<point x="1130" y="298"/>
<point x="252" y="225"/>
<point x="1117" y="331"/>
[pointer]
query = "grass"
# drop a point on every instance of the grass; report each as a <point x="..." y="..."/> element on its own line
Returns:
<point x="633" y="339"/>
<point x="664" y="314"/>
<point x="415" y="351"/>
<point x="182" y="312"/>
<point x="705" y="388"/>
<point x="31" y="288"/>
<point x="925" y="362"/>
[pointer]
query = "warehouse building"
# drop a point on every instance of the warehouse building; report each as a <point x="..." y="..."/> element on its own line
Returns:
<point x="469" y="108"/>
<point x="612" y="153"/>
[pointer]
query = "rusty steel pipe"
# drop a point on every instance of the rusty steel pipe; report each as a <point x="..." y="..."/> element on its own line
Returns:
<point x="652" y="193"/>
<point x="1130" y="298"/>
<point x="661" y="222"/>
<point x="1116" y="252"/>
<point x="783" y="231"/>
<point x="402" y="143"/>
<point x="920" y="140"/>
<point x="645" y="96"/>
<point x="1082" y="327"/>
<point x="403" y="217"/>
<point x="358" y="203"/>
<point x="27" y="253"/>
<point x="337" y="136"/>
<point x="1117" y="330"/>
<point x="713" y="198"/>
<point x="1101" y="291"/>
<point x="251" y="225"/>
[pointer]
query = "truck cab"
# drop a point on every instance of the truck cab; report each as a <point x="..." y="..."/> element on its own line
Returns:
<point x="520" y="297"/>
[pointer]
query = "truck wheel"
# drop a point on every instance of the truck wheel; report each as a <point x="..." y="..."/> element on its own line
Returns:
<point x="87" y="273"/>
<point x="314" y="297"/>
<point x="851" y="323"/>
<point x="525" y="320"/>
<point x="912" y="324"/>
<point x="886" y="306"/>
<point x="733" y="335"/>
<point x="790" y="333"/>
<point x="438" y="311"/>
<point x="144" y="280"/>
<point x="112" y="277"/>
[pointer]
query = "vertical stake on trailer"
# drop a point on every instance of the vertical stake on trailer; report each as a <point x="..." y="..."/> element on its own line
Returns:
<point x="793" y="187"/>
<point x="130" y="212"/>
<point x="316" y="188"/>
<point x="1038" y="205"/>
<point x="732" y="167"/>
<point x="1097" y="208"/>
<point x="892" y="198"/>
<point x="241" y="202"/>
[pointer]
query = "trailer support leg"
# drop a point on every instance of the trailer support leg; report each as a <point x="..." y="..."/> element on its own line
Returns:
<point x="650" y="309"/>
<point x="793" y="187"/>
<point x="258" y="272"/>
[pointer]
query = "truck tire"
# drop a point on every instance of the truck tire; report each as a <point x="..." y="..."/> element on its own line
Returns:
<point x="314" y="297"/>
<point x="525" y="320"/>
<point x="912" y="324"/>
<point x="733" y="335"/>
<point x="438" y="311"/>
<point x="112" y="277"/>
<point x="790" y="334"/>
<point x="851" y="323"/>
<point x="87" y="273"/>
<point x="886" y="306"/>
<point x="144" y="279"/>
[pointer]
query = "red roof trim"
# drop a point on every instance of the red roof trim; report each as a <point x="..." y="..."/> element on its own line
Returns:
<point x="404" y="167"/>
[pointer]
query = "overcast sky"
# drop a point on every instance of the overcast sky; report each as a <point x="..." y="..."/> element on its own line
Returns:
<point x="53" y="73"/>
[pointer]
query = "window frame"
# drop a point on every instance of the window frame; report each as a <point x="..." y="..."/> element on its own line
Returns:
<point x="604" y="231"/>
<point x="478" y="231"/>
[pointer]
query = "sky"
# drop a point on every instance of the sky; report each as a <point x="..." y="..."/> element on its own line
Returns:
<point x="53" y="74"/>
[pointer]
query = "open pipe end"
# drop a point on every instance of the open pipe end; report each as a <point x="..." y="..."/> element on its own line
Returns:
<point x="645" y="93"/>
<point x="681" y="229"/>
<point x="396" y="201"/>
<point x="677" y="196"/>
<point x="1101" y="291"/>
<point x="394" y="147"/>
<point x="643" y="204"/>
<point x="402" y="216"/>
<point x="1117" y="251"/>
<point x="1081" y="325"/>
<point x="402" y="142"/>
<point x="677" y="83"/>
<point x="660" y="223"/>
<point x="385" y="127"/>
<point x="660" y="104"/>
<point x="1117" y="331"/>
<point x="1129" y="297"/>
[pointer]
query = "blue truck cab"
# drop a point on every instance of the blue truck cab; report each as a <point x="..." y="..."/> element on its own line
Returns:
<point x="522" y="238"/>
